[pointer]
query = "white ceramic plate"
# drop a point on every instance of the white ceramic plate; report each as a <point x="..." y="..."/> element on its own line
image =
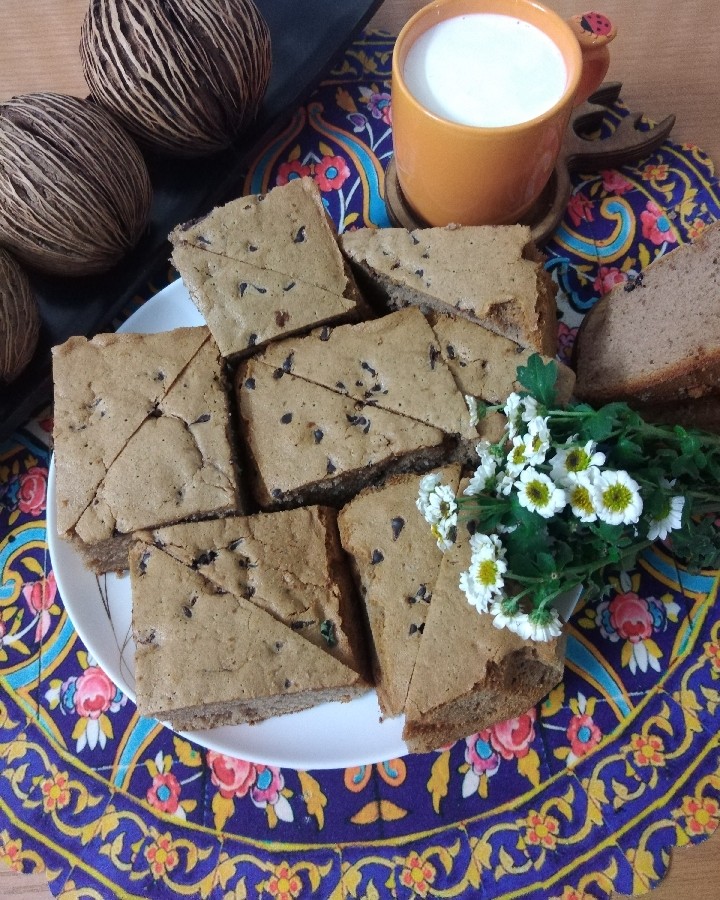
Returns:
<point x="333" y="735"/>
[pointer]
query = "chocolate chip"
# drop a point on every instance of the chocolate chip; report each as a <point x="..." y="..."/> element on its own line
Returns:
<point x="252" y="248"/>
<point x="160" y="376"/>
<point x="279" y="645"/>
<point x="260" y="290"/>
<point x="450" y="351"/>
<point x="434" y="355"/>
<point x="417" y="629"/>
<point x="242" y="287"/>
<point x="318" y="434"/>
<point x="278" y="373"/>
<point x="368" y="368"/>
<point x="233" y="545"/>
<point x="204" y="559"/>
<point x="286" y="418"/>
<point x="288" y="363"/>
<point x="281" y="317"/>
<point x="276" y="493"/>
<point x="419" y="273"/>
<point x="299" y="624"/>
<point x="250" y="384"/>
<point x="415" y="240"/>
<point x="142" y="565"/>
<point x="377" y="557"/>
<point x="331" y="467"/>
<point x="249" y="592"/>
<point x="340" y="386"/>
<point x="187" y="612"/>
<point x="300" y="236"/>
<point x="289" y="286"/>
<point x="325" y="333"/>
<point x="397" y="525"/>
<point x="205" y="417"/>
<point x="252" y="340"/>
<point x="287" y="683"/>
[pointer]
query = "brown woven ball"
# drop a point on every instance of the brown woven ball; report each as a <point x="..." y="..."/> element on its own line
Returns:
<point x="19" y="319"/>
<point x="183" y="76"/>
<point x="74" y="188"/>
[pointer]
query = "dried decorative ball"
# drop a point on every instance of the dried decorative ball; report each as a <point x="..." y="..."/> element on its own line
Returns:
<point x="75" y="192"/>
<point x="183" y="76"/>
<point x="19" y="319"/>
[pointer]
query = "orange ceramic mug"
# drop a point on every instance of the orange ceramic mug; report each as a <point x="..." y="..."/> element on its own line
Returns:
<point x="474" y="174"/>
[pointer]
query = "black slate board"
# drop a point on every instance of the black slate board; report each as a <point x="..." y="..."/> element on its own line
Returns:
<point x="306" y="39"/>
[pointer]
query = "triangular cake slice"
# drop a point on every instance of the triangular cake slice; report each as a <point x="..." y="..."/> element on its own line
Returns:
<point x="396" y="561"/>
<point x="265" y="265"/>
<point x="469" y="674"/>
<point x="393" y="363"/>
<point x="288" y="563"/>
<point x="308" y="444"/>
<point x="490" y="275"/>
<point x="206" y="658"/>
<point x="175" y="462"/>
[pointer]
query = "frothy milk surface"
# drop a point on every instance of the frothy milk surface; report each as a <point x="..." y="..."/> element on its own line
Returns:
<point x="485" y="69"/>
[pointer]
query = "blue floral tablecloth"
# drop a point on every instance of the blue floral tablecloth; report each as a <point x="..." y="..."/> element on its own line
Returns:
<point x="584" y="795"/>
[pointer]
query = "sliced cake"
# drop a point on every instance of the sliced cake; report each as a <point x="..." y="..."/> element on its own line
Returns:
<point x="393" y="363"/>
<point x="490" y="275"/>
<point x="659" y="341"/>
<point x="289" y="563"/>
<point x="142" y="438"/>
<point x="468" y="674"/>
<point x="396" y="561"/>
<point x="306" y="443"/>
<point x="265" y="265"/>
<point x="206" y="658"/>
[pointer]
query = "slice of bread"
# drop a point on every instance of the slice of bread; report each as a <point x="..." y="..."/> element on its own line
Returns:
<point x="142" y="438"/>
<point x="393" y="363"/>
<point x="265" y="265"/>
<point x="396" y="561"/>
<point x="290" y="564"/>
<point x="659" y="341"/>
<point x="206" y="658"/>
<point x="468" y="674"/>
<point x="490" y="275"/>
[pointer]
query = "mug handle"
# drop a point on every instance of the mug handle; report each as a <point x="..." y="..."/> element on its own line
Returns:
<point x="594" y="31"/>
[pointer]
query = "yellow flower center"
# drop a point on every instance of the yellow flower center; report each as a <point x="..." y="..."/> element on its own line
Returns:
<point x="538" y="492"/>
<point x="580" y="499"/>
<point x="487" y="572"/>
<point x="577" y="460"/>
<point x="617" y="497"/>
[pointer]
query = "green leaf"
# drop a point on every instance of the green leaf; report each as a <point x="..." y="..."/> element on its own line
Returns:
<point x="539" y="379"/>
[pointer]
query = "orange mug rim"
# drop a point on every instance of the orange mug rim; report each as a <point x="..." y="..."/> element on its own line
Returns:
<point x="569" y="92"/>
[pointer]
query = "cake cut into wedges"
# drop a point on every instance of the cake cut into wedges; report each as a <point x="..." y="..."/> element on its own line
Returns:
<point x="290" y="564"/>
<point x="470" y="675"/>
<point x="492" y="275"/>
<point x="657" y="339"/>
<point x="484" y="365"/>
<point x="305" y="443"/>
<point x="265" y="265"/>
<point x="142" y="438"/>
<point x="395" y="560"/>
<point x="206" y="658"/>
<point x="393" y="363"/>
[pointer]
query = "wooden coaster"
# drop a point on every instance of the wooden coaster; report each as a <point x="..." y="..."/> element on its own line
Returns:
<point x="626" y="144"/>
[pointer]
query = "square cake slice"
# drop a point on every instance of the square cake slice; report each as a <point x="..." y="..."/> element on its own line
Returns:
<point x="469" y="674"/>
<point x="396" y="561"/>
<point x="490" y="275"/>
<point x="207" y="658"/>
<point x="142" y="438"/>
<point x="307" y="444"/>
<point x="266" y="265"/>
<point x="290" y="564"/>
<point x="392" y="363"/>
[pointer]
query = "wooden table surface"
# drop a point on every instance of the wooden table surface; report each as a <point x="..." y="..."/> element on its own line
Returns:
<point x="666" y="56"/>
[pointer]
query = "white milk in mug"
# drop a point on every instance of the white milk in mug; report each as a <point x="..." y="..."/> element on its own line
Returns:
<point x="485" y="69"/>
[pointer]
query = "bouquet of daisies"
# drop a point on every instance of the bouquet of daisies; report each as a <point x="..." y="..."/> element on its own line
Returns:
<point x="567" y="492"/>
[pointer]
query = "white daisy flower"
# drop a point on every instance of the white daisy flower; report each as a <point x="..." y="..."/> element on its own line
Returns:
<point x="529" y="407"/>
<point x="502" y="617"/>
<point x="513" y="413"/>
<point x="445" y="531"/>
<point x="505" y="484"/>
<point x="484" y="578"/>
<point x="580" y="493"/>
<point x="573" y="460"/>
<point x="441" y="504"/>
<point x="617" y="498"/>
<point x="472" y="409"/>
<point x="539" y="494"/>
<point x="517" y="458"/>
<point x="483" y="474"/>
<point x="427" y="486"/>
<point x="539" y="625"/>
<point x="660" y="528"/>
<point x="537" y="440"/>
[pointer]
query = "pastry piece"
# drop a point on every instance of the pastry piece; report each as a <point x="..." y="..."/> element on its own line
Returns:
<point x="660" y="340"/>
<point x="207" y="658"/>
<point x="308" y="444"/>
<point x="490" y="275"/>
<point x="393" y="363"/>
<point x="396" y="561"/>
<point x="265" y="265"/>
<point x="288" y="563"/>
<point x="142" y="438"/>
<point x="484" y="365"/>
<point x="470" y="675"/>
